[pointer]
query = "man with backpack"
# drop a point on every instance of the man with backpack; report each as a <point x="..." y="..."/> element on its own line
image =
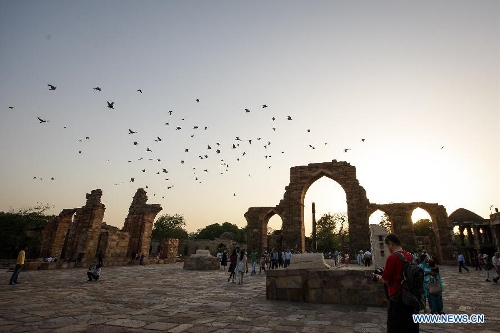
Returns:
<point x="399" y="314"/>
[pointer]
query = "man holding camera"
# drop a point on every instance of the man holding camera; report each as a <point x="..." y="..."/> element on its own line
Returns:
<point x="399" y="315"/>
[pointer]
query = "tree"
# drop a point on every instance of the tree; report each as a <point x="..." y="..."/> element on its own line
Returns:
<point x="214" y="231"/>
<point x="423" y="227"/>
<point x="331" y="231"/>
<point x="169" y="226"/>
<point x="23" y="227"/>
<point x="386" y="223"/>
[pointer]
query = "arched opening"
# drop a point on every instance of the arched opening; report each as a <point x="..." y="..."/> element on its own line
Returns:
<point x="424" y="234"/>
<point x="274" y="233"/>
<point x="380" y="218"/>
<point x="329" y="198"/>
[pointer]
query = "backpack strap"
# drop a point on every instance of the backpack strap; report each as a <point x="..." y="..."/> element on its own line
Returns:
<point x="404" y="261"/>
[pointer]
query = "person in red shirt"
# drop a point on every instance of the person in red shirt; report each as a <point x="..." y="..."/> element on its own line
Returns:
<point x="399" y="315"/>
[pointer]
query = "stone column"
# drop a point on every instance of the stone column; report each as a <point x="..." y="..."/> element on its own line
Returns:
<point x="54" y="234"/>
<point x="83" y="235"/>
<point x="139" y="223"/>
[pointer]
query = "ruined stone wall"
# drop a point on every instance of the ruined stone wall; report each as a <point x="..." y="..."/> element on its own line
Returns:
<point x="189" y="246"/>
<point x="54" y="234"/>
<point x="115" y="249"/>
<point x="402" y="225"/>
<point x="83" y="235"/>
<point x="139" y="223"/>
<point x="257" y="220"/>
<point x="169" y="248"/>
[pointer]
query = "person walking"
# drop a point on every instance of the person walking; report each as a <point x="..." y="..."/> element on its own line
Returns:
<point x="253" y="259"/>
<point x="461" y="263"/>
<point x="399" y="315"/>
<point x="223" y="260"/>
<point x="487" y="265"/>
<point x="495" y="260"/>
<point x="232" y="265"/>
<point x="288" y="257"/>
<point x="19" y="265"/>
<point x="241" y="266"/>
<point x="479" y="261"/>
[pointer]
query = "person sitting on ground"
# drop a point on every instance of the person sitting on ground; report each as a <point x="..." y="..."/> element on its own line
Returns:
<point x="94" y="272"/>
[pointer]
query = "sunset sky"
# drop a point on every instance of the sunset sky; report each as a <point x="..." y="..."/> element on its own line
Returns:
<point x="419" y="81"/>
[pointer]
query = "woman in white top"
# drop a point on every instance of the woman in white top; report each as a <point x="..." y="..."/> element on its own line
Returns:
<point x="241" y="266"/>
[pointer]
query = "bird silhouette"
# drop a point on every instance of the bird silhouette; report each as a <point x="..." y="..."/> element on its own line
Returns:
<point x="289" y="118"/>
<point x="264" y="106"/>
<point x="178" y="128"/>
<point x="51" y="87"/>
<point x="11" y="107"/>
<point x="442" y="147"/>
<point x="362" y="140"/>
<point x="247" y="110"/>
<point x="42" y="120"/>
<point x="345" y="150"/>
<point x="111" y="105"/>
<point x="170" y="113"/>
<point x="132" y="180"/>
<point x="148" y="149"/>
<point x="131" y="132"/>
<point x="158" y="139"/>
<point x="97" y="88"/>
<point x="197" y="100"/>
<point x="135" y="143"/>
<point x="139" y="90"/>
<point x="143" y="170"/>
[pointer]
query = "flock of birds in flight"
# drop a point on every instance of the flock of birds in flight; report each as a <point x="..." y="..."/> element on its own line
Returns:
<point x="211" y="148"/>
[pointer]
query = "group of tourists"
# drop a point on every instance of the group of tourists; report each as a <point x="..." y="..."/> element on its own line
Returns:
<point x="483" y="261"/>
<point x="239" y="259"/>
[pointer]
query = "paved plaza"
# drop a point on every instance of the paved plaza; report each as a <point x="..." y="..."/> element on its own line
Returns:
<point x="166" y="298"/>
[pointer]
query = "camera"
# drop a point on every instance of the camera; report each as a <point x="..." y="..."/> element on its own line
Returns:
<point x="378" y="271"/>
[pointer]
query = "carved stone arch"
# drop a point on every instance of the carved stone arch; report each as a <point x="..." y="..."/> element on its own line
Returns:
<point x="402" y="225"/>
<point x="257" y="219"/>
<point x="301" y="178"/>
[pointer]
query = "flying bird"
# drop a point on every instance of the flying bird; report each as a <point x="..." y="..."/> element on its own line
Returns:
<point x="442" y="147"/>
<point x="289" y="118"/>
<point x="247" y="110"/>
<point x="111" y="105"/>
<point x="97" y="88"/>
<point x="131" y="132"/>
<point x="345" y="150"/>
<point x="132" y="180"/>
<point x="139" y="90"/>
<point x="362" y="140"/>
<point x="42" y="120"/>
<point x="11" y="107"/>
<point x="148" y="149"/>
<point x="197" y="100"/>
<point x="264" y="106"/>
<point x="170" y="113"/>
<point x="51" y="87"/>
<point x="178" y="128"/>
<point x="158" y="139"/>
<point x="135" y="143"/>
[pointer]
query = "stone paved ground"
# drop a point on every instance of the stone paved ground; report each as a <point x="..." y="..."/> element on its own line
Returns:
<point x="166" y="298"/>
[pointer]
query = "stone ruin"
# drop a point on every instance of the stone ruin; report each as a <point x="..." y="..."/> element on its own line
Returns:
<point x="359" y="209"/>
<point x="79" y="234"/>
<point x="202" y="260"/>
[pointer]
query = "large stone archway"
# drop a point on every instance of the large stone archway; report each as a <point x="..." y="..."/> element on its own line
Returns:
<point x="359" y="209"/>
<point x="402" y="225"/>
<point x="291" y="207"/>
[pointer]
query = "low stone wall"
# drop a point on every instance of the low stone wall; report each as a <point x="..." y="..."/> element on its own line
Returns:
<point x="331" y="286"/>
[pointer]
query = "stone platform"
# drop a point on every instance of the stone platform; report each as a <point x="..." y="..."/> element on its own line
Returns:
<point x="167" y="298"/>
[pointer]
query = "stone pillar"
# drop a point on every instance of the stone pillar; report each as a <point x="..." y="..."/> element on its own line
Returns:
<point x="54" y="234"/>
<point x="169" y="248"/>
<point x="139" y="223"/>
<point x="314" y="243"/>
<point x="378" y="248"/>
<point x="83" y="235"/>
